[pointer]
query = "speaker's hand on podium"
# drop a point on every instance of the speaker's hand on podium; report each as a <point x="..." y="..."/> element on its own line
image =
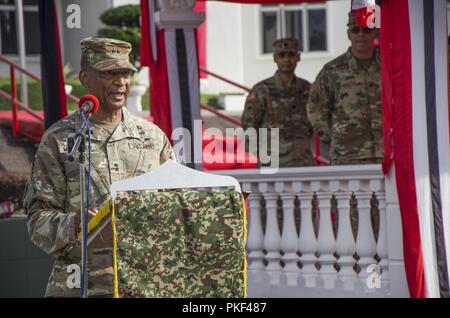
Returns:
<point x="91" y="214"/>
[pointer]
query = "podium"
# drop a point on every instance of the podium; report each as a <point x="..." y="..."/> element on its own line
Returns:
<point x="177" y="232"/>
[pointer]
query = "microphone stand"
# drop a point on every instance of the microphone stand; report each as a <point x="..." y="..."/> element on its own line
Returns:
<point x="76" y="143"/>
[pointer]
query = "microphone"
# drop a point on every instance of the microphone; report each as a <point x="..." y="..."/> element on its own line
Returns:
<point x="88" y="104"/>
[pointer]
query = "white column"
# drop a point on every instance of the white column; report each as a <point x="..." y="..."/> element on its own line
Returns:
<point x="326" y="241"/>
<point x="255" y="238"/>
<point x="365" y="240"/>
<point x="398" y="286"/>
<point x="345" y="243"/>
<point x="289" y="242"/>
<point x="307" y="239"/>
<point x="382" y="250"/>
<point x="272" y="237"/>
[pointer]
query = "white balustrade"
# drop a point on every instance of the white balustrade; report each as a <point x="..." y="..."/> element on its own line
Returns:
<point x="307" y="238"/>
<point x="326" y="242"/>
<point x="365" y="240"/>
<point x="289" y="243"/>
<point x="255" y="235"/>
<point x="382" y="245"/>
<point x="272" y="237"/>
<point x="345" y="243"/>
<point x="267" y="249"/>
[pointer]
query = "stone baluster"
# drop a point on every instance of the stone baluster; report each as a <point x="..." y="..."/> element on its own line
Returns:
<point x="255" y="236"/>
<point x="382" y="249"/>
<point x="345" y="243"/>
<point x="326" y="242"/>
<point x="289" y="242"/>
<point x="272" y="237"/>
<point x="365" y="240"/>
<point x="307" y="238"/>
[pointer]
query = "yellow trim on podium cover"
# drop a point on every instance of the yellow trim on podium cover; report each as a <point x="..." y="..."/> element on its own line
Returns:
<point x="245" y="243"/>
<point x="116" y="275"/>
<point x="108" y="207"/>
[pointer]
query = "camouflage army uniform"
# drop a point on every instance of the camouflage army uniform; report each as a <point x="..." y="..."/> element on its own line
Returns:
<point x="345" y="108"/>
<point x="53" y="193"/>
<point x="180" y="243"/>
<point x="271" y="105"/>
<point x="52" y="197"/>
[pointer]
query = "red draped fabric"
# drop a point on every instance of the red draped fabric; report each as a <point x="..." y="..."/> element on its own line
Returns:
<point x="269" y="1"/>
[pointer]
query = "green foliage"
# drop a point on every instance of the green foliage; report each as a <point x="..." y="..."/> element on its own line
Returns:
<point x="210" y="100"/>
<point x="146" y="100"/>
<point x="35" y="94"/>
<point x="77" y="90"/>
<point x="127" y="15"/>
<point x="123" y="22"/>
<point x="67" y="69"/>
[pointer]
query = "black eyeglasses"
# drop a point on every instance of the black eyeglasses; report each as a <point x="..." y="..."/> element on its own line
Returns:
<point x="356" y="30"/>
<point x="288" y="54"/>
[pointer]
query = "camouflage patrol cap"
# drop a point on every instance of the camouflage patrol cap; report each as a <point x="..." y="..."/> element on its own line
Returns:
<point x="285" y="45"/>
<point x="106" y="54"/>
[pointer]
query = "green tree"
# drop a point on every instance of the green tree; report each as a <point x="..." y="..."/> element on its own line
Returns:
<point x="123" y="24"/>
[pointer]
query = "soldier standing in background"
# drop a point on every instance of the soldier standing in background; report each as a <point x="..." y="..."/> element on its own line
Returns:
<point x="280" y="102"/>
<point x="344" y="106"/>
<point x="123" y="146"/>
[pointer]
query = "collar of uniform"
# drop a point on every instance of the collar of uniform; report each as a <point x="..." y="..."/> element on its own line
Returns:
<point x="354" y="64"/>
<point x="127" y="128"/>
<point x="351" y="60"/>
<point x="279" y="82"/>
<point x="377" y="63"/>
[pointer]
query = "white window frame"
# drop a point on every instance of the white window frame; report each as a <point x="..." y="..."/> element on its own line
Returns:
<point x="26" y="8"/>
<point x="260" y="25"/>
<point x="281" y="27"/>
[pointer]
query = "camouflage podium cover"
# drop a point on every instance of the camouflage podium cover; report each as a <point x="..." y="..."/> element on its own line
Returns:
<point x="178" y="243"/>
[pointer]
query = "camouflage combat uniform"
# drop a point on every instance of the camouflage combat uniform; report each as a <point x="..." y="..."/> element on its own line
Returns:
<point x="345" y="108"/>
<point x="197" y="245"/>
<point x="52" y="197"/>
<point x="271" y="105"/>
<point x="53" y="193"/>
<point x="274" y="104"/>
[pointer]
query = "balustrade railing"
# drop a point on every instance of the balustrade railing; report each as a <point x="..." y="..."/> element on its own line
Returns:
<point x="324" y="255"/>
